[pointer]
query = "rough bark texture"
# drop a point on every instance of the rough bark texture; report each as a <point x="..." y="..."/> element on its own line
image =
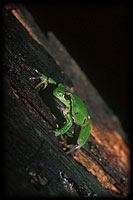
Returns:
<point x="35" y="161"/>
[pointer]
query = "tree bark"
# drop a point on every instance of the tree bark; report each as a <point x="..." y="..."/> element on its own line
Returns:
<point x="35" y="160"/>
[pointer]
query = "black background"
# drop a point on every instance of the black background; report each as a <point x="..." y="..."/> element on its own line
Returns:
<point x="97" y="37"/>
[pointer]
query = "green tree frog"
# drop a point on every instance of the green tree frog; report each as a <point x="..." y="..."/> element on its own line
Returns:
<point x="73" y="109"/>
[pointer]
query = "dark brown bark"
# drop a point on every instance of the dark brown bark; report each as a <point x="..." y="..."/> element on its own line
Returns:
<point x="35" y="162"/>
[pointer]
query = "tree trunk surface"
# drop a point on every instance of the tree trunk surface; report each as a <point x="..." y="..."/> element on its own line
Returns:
<point x="35" y="161"/>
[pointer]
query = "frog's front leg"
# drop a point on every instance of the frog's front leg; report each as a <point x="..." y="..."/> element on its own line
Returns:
<point x="67" y="126"/>
<point x="44" y="80"/>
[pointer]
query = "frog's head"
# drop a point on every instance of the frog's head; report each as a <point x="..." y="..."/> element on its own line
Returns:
<point x="63" y="95"/>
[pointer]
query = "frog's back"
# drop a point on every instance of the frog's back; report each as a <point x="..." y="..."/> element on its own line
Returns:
<point x="79" y="110"/>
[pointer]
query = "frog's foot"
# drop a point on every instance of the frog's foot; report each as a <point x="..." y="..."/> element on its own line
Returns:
<point x="44" y="81"/>
<point x="76" y="147"/>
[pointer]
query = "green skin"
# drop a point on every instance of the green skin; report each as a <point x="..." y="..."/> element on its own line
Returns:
<point x="75" y="112"/>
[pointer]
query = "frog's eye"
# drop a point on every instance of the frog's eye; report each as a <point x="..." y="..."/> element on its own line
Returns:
<point x="67" y="97"/>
